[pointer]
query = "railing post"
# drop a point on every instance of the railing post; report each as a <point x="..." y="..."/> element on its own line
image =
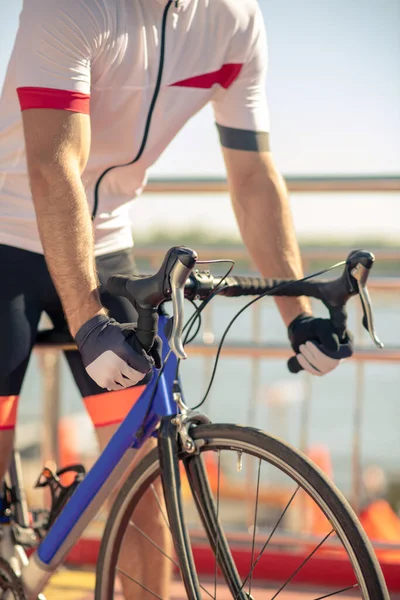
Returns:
<point x="357" y="436"/>
<point x="357" y="421"/>
<point x="50" y="366"/>
<point x="255" y="362"/>
<point x="305" y="413"/>
<point x="208" y="339"/>
<point x="254" y="389"/>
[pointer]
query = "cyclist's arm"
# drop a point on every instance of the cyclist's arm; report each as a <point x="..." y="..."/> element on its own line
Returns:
<point x="257" y="189"/>
<point x="54" y="48"/>
<point x="57" y="146"/>
<point x="263" y="214"/>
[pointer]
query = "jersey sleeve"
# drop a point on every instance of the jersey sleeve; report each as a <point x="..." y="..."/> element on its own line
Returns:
<point x="54" y="47"/>
<point x="241" y="110"/>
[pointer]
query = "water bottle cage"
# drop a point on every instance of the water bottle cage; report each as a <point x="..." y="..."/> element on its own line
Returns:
<point x="60" y="493"/>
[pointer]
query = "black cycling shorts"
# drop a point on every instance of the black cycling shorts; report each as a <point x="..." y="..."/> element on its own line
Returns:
<point x="26" y="290"/>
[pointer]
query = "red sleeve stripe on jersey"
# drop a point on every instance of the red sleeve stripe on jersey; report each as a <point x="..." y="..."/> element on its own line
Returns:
<point x="38" y="97"/>
<point x="225" y="76"/>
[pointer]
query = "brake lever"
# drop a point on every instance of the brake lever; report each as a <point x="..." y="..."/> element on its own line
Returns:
<point x="360" y="274"/>
<point x="335" y="295"/>
<point x="179" y="274"/>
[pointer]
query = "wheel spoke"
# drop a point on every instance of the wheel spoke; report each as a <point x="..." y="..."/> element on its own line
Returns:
<point x="302" y="564"/>
<point x="224" y="508"/>
<point x="268" y="540"/>
<point x="255" y="523"/>
<point x="159" y="504"/>
<point x="153" y="543"/>
<point x="139" y="584"/>
<point x="347" y="589"/>
<point x="217" y="540"/>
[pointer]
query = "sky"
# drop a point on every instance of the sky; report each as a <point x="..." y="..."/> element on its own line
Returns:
<point x="334" y="96"/>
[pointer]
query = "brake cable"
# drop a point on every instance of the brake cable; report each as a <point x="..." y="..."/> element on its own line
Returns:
<point x="269" y="292"/>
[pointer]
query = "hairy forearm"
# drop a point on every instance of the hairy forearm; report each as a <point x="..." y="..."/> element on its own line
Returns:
<point x="66" y="234"/>
<point x="263" y="213"/>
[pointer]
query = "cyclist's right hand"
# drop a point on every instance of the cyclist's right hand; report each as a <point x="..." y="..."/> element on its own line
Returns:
<point x="111" y="353"/>
<point x="317" y="345"/>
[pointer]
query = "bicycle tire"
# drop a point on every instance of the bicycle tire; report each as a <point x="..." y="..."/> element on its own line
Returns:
<point x="276" y="452"/>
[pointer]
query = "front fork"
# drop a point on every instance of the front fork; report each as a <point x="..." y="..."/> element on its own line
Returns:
<point x="171" y="481"/>
<point x="174" y="437"/>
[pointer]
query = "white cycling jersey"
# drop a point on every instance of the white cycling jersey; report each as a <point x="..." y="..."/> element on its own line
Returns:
<point x="102" y="57"/>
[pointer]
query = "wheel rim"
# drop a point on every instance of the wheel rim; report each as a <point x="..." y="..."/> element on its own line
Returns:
<point x="148" y="476"/>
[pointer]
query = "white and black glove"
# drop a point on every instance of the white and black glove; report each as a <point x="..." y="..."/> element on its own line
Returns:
<point x="112" y="355"/>
<point x="317" y="345"/>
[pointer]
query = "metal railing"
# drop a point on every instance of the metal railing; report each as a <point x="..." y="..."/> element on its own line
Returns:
<point x="255" y="350"/>
<point x="323" y="183"/>
<point x="152" y="255"/>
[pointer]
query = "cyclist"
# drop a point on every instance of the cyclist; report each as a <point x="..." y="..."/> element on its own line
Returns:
<point x="94" y="92"/>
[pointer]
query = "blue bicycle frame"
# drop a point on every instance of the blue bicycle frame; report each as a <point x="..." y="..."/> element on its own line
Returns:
<point x="105" y="474"/>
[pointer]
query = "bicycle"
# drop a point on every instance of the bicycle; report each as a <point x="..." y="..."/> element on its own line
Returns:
<point x="186" y="441"/>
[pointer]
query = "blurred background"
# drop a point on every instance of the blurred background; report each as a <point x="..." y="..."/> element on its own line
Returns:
<point x="334" y="97"/>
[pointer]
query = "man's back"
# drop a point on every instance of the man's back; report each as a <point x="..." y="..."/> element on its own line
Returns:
<point x="104" y="57"/>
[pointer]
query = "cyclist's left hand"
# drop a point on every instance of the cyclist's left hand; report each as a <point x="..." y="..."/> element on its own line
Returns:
<point x="305" y="332"/>
<point x="112" y="354"/>
<point x="155" y="352"/>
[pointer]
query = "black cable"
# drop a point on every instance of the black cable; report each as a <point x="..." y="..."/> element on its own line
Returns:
<point x="140" y="431"/>
<point x="197" y="315"/>
<point x="188" y="325"/>
<point x="198" y="318"/>
<point x="215" y="291"/>
<point x="269" y="292"/>
<point x="149" y="114"/>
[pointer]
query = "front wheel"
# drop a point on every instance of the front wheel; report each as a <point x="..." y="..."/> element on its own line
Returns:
<point x="279" y="514"/>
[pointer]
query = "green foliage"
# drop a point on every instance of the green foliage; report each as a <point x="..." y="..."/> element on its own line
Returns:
<point x="201" y="236"/>
<point x="202" y="239"/>
<point x="188" y="237"/>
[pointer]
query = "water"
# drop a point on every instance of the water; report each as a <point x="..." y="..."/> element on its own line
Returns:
<point x="279" y="396"/>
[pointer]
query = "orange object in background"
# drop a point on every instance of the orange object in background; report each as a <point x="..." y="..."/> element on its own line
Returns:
<point x="210" y="461"/>
<point x="310" y="520"/>
<point x="68" y="453"/>
<point x="381" y="524"/>
<point x="317" y="523"/>
<point x="321" y="456"/>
